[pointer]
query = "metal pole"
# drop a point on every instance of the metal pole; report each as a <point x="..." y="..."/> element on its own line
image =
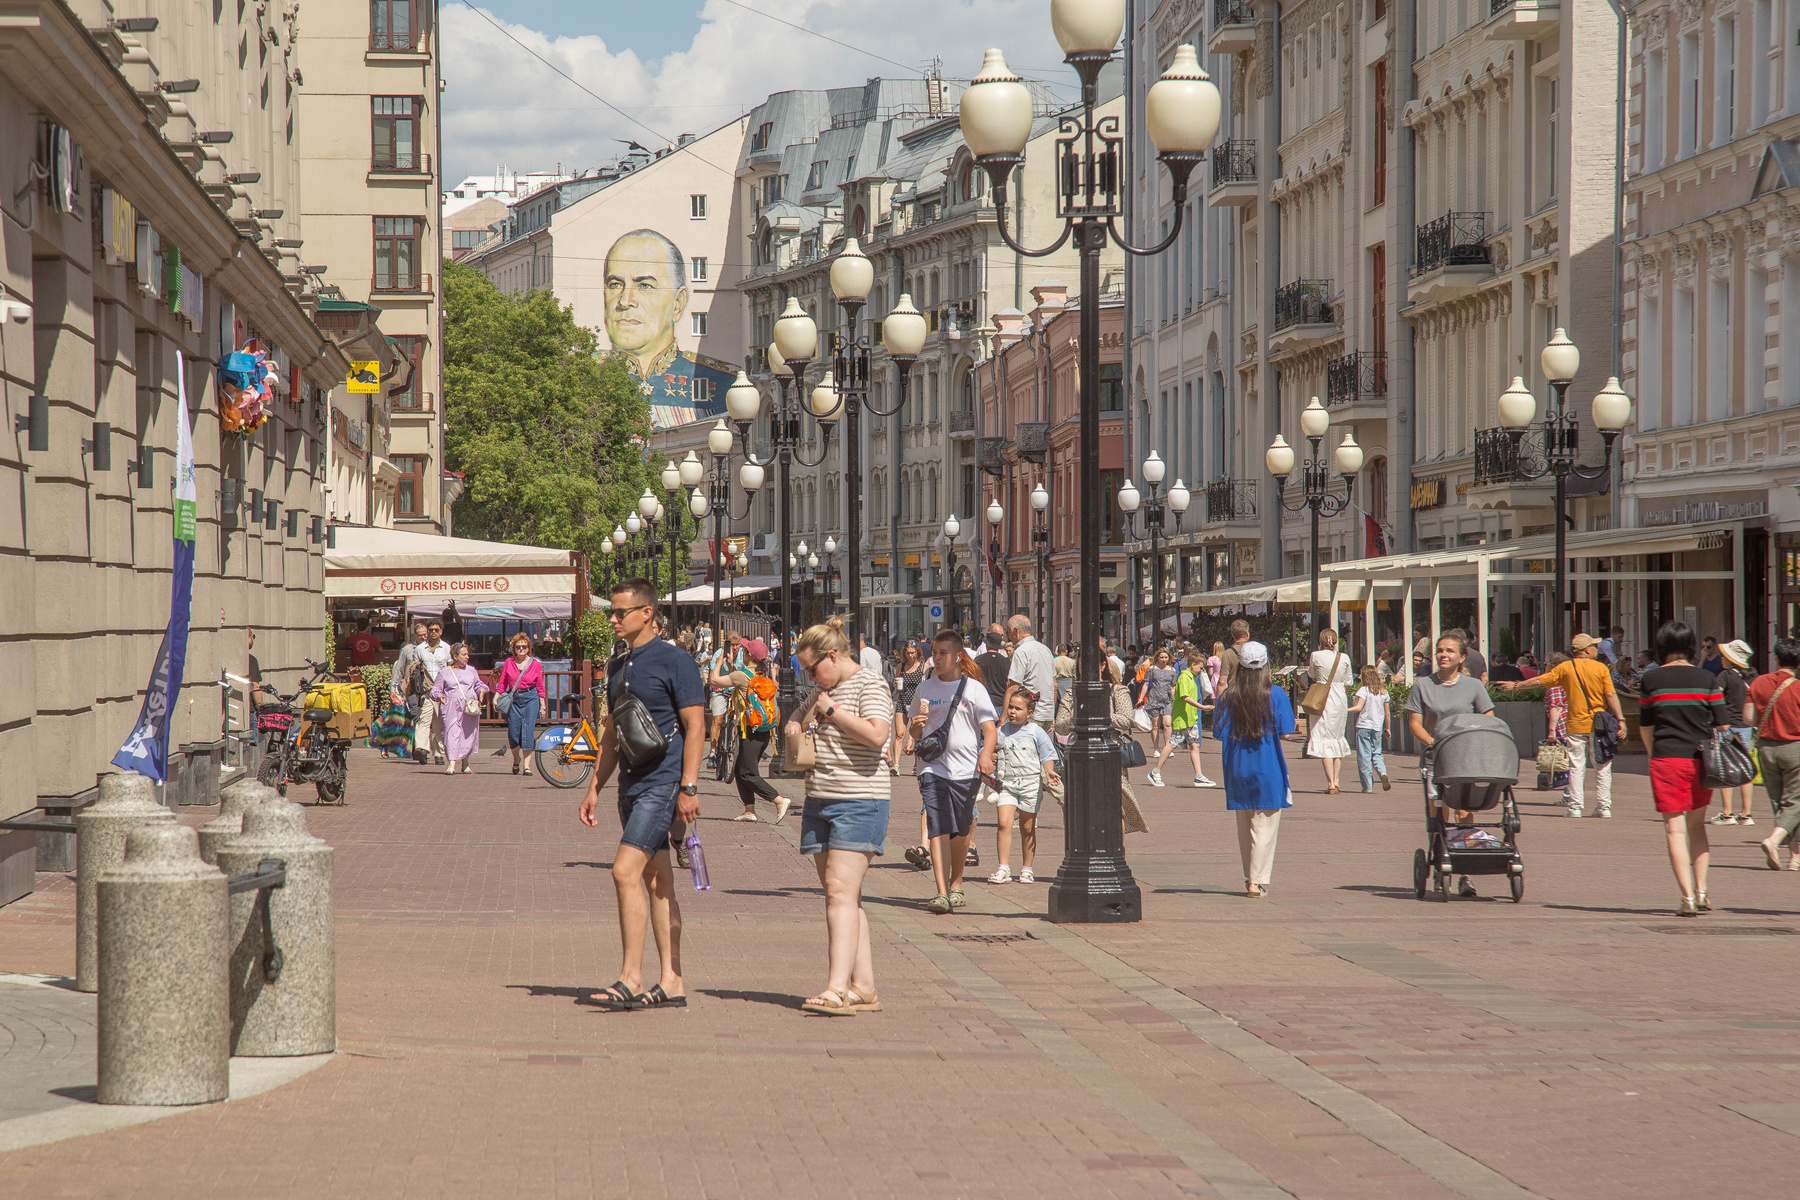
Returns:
<point x="785" y="667"/>
<point x="1561" y="459"/>
<point x="721" y="463"/>
<point x="1156" y="581"/>
<point x="954" y="612"/>
<point x="853" y="486"/>
<point x="1313" y="503"/>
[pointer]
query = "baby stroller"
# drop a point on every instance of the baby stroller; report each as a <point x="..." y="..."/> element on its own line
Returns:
<point x="1474" y="764"/>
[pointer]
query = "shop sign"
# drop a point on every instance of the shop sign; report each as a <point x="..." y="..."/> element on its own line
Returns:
<point x="1428" y="493"/>
<point x="1699" y="512"/>
<point x="912" y="560"/>
<point x="118" y="228"/>
<point x="874" y="585"/>
<point x="149" y="261"/>
<point x="365" y="376"/>
<point x="454" y="585"/>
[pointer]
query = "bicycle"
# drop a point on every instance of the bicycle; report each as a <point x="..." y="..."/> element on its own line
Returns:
<point x="566" y="754"/>
<point x="307" y="751"/>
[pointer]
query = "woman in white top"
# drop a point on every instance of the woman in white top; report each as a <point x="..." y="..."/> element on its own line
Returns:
<point x="1325" y="729"/>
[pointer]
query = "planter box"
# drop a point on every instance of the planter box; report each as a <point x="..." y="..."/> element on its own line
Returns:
<point x="1528" y="722"/>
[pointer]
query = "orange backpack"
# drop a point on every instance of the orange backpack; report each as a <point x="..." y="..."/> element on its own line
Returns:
<point x="759" y="703"/>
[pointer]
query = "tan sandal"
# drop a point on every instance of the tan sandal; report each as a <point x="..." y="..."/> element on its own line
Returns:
<point x="838" y="1007"/>
<point x="861" y="1003"/>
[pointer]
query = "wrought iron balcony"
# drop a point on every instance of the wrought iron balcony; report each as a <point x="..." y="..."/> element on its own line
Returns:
<point x="1231" y="500"/>
<point x="1034" y="440"/>
<point x="1356" y="376"/>
<point x="1496" y="7"/>
<point x="1497" y="457"/>
<point x="1233" y="12"/>
<point x="1304" y="302"/>
<point x="989" y="453"/>
<point x="1234" y="161"/>
<point x="1456" y="239"/>
<point x="962" y="421"/>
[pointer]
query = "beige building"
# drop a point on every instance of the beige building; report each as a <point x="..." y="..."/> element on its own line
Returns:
<point x="367" y="127"/>
<point x="1711" y="320"/>
<point x="156" y="227"/>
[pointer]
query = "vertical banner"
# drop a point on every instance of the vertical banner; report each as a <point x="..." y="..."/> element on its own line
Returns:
<point x="146" y="751"/>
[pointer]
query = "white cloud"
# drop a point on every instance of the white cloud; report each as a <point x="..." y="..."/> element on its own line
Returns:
<point x="502" y="106"/>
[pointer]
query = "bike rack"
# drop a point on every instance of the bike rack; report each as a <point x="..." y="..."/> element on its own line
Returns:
<point x="269" y="873"/>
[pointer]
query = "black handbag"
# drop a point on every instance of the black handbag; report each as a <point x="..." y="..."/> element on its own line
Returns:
<point x="641" y="743"/>
<point x="1725" y="762"/>
<point x="931" y="745"/>
<point x="1131" y="754"/>
<point x="1606" y="728"/>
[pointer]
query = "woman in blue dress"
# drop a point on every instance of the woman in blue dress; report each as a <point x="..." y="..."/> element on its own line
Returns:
<point x="1250" y="721"/>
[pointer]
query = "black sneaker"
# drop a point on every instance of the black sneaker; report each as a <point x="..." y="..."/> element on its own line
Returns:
<point x="974" y="859"/>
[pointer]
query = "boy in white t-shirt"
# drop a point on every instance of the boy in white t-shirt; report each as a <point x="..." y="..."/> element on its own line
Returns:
<point x="1371" y="709"/>
<point x="947" y="784"/>
<point x="1026" y="766"/>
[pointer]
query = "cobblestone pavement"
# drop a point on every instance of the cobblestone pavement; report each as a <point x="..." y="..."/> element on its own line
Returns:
<point x="1339" y="1039"/>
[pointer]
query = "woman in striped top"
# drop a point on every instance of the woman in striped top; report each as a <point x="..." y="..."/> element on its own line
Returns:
<point x="1682" y="706"/>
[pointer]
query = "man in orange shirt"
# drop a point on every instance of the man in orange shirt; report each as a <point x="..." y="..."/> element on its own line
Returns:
<point x="1589" y="685"/>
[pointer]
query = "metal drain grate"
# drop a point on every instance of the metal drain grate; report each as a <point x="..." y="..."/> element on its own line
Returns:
<point x="988" y="937"/>
<point x="1728" y="930"/>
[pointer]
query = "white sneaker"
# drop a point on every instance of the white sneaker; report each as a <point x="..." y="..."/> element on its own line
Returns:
<point x="1003" y="875"/>
<point x="1203" y="781"/>
<point x="1026" y="876"/>
<point x="1156" y="779"/>
<point x="747" y="816"/>
<point x="1604" y="811"/>
<point x="1571" y="810"/>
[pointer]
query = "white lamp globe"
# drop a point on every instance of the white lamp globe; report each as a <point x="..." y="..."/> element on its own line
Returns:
<point x="743" y="562"/>
<point x="995" y="514"/>
<point x="659" y="514"/>
<point x="852" y="274"/>
<point x="1129" y="498"/>
<point x="830" y="546"/>
<point x="796" y="336"/>
<point x="1040" y="499"/>
<point x="742" y="400"/>
<point x="692" y="470"/>
<point x="1179" y="497"/>
<point x="699" y="504"/>
<point x="1314" y="420"/>
<point x="792" y="562"/>
<point x="1560" y="358"/>
<point x="1181" y="111"/>
<point x="1612" y="407"/>
<point x="812" y="562"/>
<point x="1087" y="26"/>
<point x="671" y="476"/>
<point x="778" y="366"/>
<point x="619" y="535"/>
<point x="1518" y="407"/>
<point x="995" y="109"/>
<point x="718" y="438"/>
<point x="1349" y="455"/>
<point x="952" y="527"/>
<point x="824" y="400"/>
<point x="647" y="504"/>
<point x="750" y="476"/>
<point x="801" y="548"/>
<point x="1154" y="468"/>
<point x="606" y="546"/>
<point x="903" y="329"/>
<point x="633" y="524"/>
<point x="1279" y="457"/>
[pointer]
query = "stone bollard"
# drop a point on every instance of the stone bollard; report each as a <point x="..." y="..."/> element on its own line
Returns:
<point x="165" y="1008"/>
<point x="297" y="1013"/>
<point x="233" y="802"/>
<point x="126" y="802"/>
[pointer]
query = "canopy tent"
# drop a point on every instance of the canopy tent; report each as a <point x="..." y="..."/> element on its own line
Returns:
<point x="388" y="564"/>
<point x="743" y="585"/>
<point x="543" y="608"/>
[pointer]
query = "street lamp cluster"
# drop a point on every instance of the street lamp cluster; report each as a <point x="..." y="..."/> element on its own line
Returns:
<point x="1040" y="541"/>
<point x="1315" y="477"/>
<point x="1130" y="502"/>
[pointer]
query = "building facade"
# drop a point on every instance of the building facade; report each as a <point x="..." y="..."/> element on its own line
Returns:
<point x="135" y="256"/>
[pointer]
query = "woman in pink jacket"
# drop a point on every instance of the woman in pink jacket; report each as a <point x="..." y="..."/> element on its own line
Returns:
<point x="522" y="678"/>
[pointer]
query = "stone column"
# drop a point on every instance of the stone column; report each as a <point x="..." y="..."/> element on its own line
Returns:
<point x="164" y="1013"/>
<point x="234" y="802"/>
<point x="127" y="801"/>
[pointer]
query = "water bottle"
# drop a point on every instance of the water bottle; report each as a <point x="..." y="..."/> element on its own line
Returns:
<point x="697" y="860"/>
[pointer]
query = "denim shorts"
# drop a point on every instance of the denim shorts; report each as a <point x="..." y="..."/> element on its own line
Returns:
<point x="949" y="805"/>
<point x="646" y="817"/>
<point x="853" y="824"/>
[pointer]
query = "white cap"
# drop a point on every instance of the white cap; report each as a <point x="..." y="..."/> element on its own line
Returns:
<point x="1254" y="655"/>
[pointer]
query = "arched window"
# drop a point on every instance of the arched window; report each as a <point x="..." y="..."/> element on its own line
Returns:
<point x="857" y="220"/>
<point x="965" y="181"/>
<point x="931" y="494"/>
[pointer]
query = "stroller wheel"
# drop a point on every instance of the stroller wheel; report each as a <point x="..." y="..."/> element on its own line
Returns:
<point x="1518" y="887"/>
<point x="1421" y="874"/>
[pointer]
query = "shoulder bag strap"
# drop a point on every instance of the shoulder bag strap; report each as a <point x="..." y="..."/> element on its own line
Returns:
<point x="1772" y="699"/>
<point x="1582" y="684"/>
<point x="1338" y="658"/>
<point x="955" y="703"/>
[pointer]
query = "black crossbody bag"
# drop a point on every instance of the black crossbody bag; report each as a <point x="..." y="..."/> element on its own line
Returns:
<point x="931" y="746"/>
<point x="641" y="743"/>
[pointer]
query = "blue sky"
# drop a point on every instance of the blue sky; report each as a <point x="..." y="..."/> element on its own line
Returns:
<point x="649" y="28"/>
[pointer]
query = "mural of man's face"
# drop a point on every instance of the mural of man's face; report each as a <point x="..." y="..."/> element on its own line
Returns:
<point x="642" y="299"/>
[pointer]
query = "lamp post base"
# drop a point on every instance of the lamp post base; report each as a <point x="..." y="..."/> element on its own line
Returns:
<point x="1094" y="883"/>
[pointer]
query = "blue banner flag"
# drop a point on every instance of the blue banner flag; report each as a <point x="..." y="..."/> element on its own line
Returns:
<point x="146" y="751"/>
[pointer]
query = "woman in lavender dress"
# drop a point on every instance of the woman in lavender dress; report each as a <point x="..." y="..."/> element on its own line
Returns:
<point x="457" y="684"/>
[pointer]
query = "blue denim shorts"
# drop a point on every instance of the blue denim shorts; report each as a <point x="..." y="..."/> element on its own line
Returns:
<point x="645" y="818"/>
<point x="949" y="805"/>
<point x="855" y="824"/>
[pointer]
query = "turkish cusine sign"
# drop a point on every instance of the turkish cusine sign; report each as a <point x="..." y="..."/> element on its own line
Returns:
<point x="646" y="299"/>
<point x="376" y="583"/>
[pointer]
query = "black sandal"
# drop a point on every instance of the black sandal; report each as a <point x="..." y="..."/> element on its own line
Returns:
<point x="615" y="998"/>
<point x="657" y="998"/>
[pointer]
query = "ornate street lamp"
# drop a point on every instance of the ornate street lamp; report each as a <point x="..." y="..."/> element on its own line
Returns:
<point x="1130" y="504"/>
<point x="1040" y="544"/>
<point x="1181" y="114"/>
<point x="1559" y="443"/>
<point x="995" y="515"/>
<point x="742" y="403"/>
<point x="952" y="613"/>
<point x="1316" y="481"/>
<point x="831" y="549"/>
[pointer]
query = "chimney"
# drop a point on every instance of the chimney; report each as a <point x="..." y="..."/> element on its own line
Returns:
<point x="1052" y="296"/>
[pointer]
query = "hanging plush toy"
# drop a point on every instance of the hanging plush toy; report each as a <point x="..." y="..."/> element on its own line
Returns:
<point x="244" y="382"/>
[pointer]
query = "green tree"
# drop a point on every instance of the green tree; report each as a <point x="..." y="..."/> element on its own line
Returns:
<point x="550" y="437"/>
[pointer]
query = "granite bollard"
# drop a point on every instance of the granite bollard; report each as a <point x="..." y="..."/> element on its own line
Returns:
<point x="296" y="1013"/>
<point x="127" y="801"/>
<point x="165" y="1007"/>
<point x="233" y="801"/>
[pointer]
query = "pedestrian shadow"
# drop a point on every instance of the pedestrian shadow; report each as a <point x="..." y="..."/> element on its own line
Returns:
<point x="546" y="989"/>
<point x="777" y="999"/>
<point x="1377" y="889"/>
<point x="1663" y="911"/>
<point x="602" y="866"/>
<point x="778" y="893"/>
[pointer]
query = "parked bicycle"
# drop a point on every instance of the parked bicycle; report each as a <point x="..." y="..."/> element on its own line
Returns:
<point x="307" y="750"/>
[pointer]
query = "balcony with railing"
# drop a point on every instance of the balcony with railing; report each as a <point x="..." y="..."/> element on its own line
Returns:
<point x="962" y="422"/>
<point x="402" y="283"/>
<point x="1451" y="258"/>
<point x="405" y="164"/>
<point x="1234" y="27"/>
<point x="1357" y="378"/>
<point x="1233" y="173"/>
<point x="1230" y="500"/>
<point x="1034" y="440"/>
<point x="1496" y="457"/>
<point x="1522" y="20"/>
<point x="397" y="41"/>
<point x="1304" y="315"/>
<point x="990" y="455"/>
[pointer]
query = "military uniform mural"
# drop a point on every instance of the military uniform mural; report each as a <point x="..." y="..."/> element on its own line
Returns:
<point x="646" y="294"/>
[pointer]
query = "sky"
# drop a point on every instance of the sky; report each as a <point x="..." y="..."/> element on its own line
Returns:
<point x="689" y="66"/>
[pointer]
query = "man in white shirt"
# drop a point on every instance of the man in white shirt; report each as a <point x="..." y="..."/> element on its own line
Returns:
<point x="434" y="656"/>
<point x="1033" y="668"/>
<point x="870" y="657"/>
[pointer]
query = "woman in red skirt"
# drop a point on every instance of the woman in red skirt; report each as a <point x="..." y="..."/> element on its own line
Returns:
<point x="1682" y="706"/>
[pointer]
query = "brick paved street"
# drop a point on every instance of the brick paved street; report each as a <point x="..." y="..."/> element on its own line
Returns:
<point x="1339" y="1039"/>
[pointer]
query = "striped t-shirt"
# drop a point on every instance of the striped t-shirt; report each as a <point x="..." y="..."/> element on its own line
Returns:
<point x="1682" y="704"/>
<point x="845" y="768"/>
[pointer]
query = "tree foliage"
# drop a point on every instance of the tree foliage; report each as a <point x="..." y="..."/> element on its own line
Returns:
<point x="550" y="437"/>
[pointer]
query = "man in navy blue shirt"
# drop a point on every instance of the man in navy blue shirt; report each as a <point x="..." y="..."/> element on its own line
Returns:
<point x="661" y="676"/>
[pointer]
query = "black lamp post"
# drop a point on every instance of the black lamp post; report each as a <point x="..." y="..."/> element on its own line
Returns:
<point x="830" y="561"/>
<point x="995" y="515"/>
<point x="742" y="401"/>
<point x="1040" y="542"/>
<point x="1153" y="508"/>
<point x="1316" y="491"/>
<point x="1559" y="442"/>
<point x="1181" y="116"/>
<point x="952" y="608"/>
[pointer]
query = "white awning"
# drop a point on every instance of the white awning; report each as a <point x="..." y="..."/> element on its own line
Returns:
<point x="749" y="585"/>
<point x="1464" y="560"/>
<point x="395" y="563"/>
<point x="889" y="600"/>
